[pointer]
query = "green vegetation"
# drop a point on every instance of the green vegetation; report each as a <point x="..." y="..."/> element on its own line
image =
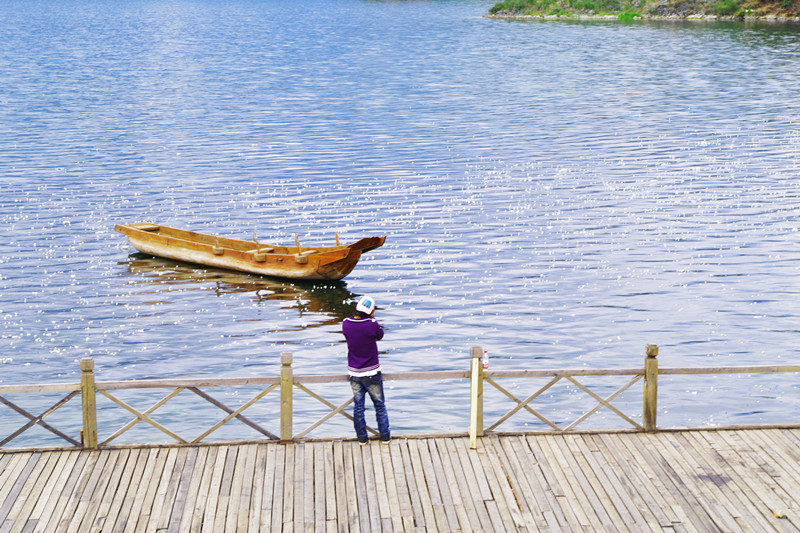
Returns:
<point x="557" y="7"/>
<point x="628" y="10"/>
<point x="627" y="16"/>
<point x="726" y="8"/>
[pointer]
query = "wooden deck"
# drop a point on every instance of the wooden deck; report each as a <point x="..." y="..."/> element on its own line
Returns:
<point x="710" y="480"/>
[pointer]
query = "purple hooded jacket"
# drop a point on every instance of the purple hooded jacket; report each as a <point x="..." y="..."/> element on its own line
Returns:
<point x="362" y="335"/>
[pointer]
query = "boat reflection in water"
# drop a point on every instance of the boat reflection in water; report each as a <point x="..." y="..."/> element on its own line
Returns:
<point x="331" y="298"/>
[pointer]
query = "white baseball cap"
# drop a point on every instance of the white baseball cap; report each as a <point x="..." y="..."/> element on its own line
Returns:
<point x="366" y="305"/>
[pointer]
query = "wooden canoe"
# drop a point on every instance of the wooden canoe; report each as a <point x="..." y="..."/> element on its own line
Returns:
<point x="292" y="262"/>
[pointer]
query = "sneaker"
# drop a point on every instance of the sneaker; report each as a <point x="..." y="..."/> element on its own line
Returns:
<point x="385" y="440"/>
<point x="363" y="441"/>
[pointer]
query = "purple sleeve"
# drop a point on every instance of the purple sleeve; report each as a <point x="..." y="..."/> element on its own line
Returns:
<point x="378" y="331"/>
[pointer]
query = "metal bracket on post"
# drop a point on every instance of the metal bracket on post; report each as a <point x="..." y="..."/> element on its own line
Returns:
<point x="475" y="397"/>
<point x="287" y="382"/>
<point x="88" y="404"/>
<point x="650" y="407"/>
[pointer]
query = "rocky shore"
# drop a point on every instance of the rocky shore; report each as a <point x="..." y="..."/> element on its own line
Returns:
<point x="703" y="10"/>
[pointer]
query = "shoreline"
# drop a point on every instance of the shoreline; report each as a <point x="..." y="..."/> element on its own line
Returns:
<point x="676" y="18"/>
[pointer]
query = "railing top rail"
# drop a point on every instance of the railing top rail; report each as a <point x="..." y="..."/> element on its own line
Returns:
<point x="266" y="381"/>
<point x="392" y="376"/>
<point x="563" y="372"/>
<point x="763" y="369"/>
<point x="184" y="382"/>
<point x="48" y="387"/>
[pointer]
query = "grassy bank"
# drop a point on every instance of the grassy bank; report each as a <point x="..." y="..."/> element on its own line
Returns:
<point x="635" y="9"/>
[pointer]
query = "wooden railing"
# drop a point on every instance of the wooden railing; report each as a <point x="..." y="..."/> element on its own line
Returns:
<point x="284" y="385"/>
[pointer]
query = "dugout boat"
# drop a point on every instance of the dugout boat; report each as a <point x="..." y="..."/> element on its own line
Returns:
<point x="290" y="262"/>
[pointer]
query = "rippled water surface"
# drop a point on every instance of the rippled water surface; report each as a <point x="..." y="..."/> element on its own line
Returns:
<point x="558" y="193"/>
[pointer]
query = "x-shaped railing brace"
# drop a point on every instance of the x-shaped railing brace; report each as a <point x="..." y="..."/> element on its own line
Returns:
<point x="602" y="402"/>
<point x="334" y="411"/>
<point x="38" y="420"/>
<point x="145" y="416"/>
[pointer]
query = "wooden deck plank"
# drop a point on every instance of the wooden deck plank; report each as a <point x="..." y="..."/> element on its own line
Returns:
<point x="166" y="457"/>
<point x="443" y="518"/>
<point x="66" y="493"/>
<point x="715" y="468"/>
<point x="116" y="485"/>
<point x="49" y="496"/>
<point x="95" y="485"/>
<point x="259" y="488"/>
<point x="309" y="507"/>
<point x="783" y="453"/>
<point x="10" y="475"/>
<point x="300" y="496"/>
<point x="211" y="489"/>
<point x="186" y="500"/>
<point x="695" y="481"/>
<point x="236" y="517"/>
<point x="669" y="475"/>
<point x="708" y="494"/>
<point x="667" y="488"/>
<point x="592" y="488"/>
<point x="412" y="486"/>
<point x="384" y="478"/>
<point x="100" y="496"/>
<point x="480" y="478"/>
<point x="464" y="487"/>
<point x="547" y="506"/>
<point x="330" y="508"/>
<point x="167" y="490"/>
<point x="289" y="487"/>
<point x="514" y="497"/>
<point x="400" y="486"/>
<point x="627" y="485"/>
<point x="572" y="496"/>
<point x="197" y="498"/>
<point x="225" y="488"/>
<point x="119" y="514"/>
<point x="454" y="488"/>
<point x="351" y="489"/>
<point x="186" y="494"/>
<point x="320" y="487"/>
<point x="130" y="511"/>
<point x="422" y="488"/>
<point x="28" y="497"/>
<point x="758" y="475"/>
<point x="536" y="472"/>
<point x="698" y="476"/>
<point x="551" y="483"/>
<point x="365" y="489"/>
<point x="82" y="478"/>
<point x="790" y="447"/>
<point x="340" y="488"/>
<point x="623" y="516"/>
<point x="16" y="483"/>
<point x="276" y="507"/>
<point x="646" y="484"/>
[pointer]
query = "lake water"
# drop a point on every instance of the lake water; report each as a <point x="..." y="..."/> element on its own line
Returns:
<point x="559" y="193"/>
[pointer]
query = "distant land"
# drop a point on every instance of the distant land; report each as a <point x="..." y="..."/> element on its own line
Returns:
<point x="778" y="10"/>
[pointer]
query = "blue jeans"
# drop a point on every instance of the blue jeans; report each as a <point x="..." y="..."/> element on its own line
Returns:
<point x="372" y="385"/>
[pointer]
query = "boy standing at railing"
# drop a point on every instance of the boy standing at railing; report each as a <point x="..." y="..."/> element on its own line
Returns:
<point x="362" y="333"/>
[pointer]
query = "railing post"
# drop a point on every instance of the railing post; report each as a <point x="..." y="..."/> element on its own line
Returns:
<point x="650" y="387"/>
<point x="287" y="383"/>
<point x="475" y="397"/>
<point x="89" y="406"/>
